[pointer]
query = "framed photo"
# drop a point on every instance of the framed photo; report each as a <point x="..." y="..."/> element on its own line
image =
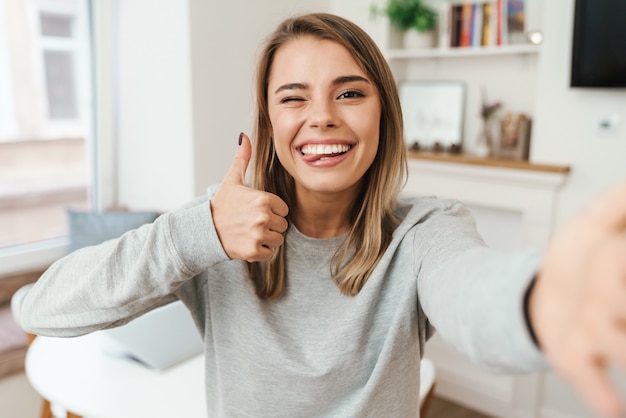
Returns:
<point x="514" y="139"/>
<point x="433" y="114"/>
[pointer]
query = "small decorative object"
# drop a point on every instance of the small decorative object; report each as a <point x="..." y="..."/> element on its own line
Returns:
<point x="437" y="147"/>
<point x="485" y="141"/>
<point x="514" y="140"/>
<point x="535" y="37"/>
<point x="414" y="19"/>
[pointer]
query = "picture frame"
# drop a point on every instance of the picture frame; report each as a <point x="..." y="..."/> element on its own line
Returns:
<point x="433" y="113"/>
<point x="513" y="142"/>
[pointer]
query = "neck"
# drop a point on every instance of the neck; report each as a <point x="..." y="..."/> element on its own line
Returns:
<point x="322" y="216"/>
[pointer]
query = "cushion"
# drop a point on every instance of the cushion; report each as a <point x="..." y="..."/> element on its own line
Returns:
<point x="91" y="228"/>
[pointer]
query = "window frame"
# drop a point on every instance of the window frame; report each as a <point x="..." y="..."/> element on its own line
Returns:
<point x="68" y="127"/>
<point x="102" y="145"/>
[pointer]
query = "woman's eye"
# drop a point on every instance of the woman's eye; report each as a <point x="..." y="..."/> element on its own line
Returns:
<point x="291" y="99"/>
<point x="351" y="94"/>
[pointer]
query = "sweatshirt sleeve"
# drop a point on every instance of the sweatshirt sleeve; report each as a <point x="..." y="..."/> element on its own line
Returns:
<point x="108" y="285"/>
<point x="473" y="295"/>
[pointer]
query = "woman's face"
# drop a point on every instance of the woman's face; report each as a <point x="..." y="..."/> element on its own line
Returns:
<point x="325" y="114"/>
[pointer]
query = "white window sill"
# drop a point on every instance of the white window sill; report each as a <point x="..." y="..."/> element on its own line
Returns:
<point x="31" y="257"/>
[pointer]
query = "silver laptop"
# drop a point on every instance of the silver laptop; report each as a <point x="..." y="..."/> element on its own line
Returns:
<point x="158" y="339"/>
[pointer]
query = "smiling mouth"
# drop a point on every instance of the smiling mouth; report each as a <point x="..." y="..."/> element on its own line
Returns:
<point x="315" y="152"/>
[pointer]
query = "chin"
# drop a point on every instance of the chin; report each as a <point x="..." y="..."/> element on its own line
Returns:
<point x="331" y="187"/>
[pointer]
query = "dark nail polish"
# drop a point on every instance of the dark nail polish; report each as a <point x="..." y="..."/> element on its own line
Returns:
<point x="240" y="138"/>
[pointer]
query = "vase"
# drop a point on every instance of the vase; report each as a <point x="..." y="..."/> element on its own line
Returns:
<point x="419" y="40"/>
<point x="485" y="141"/>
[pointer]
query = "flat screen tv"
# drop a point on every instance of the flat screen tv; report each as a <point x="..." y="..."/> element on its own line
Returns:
<point x="599" y="44"/>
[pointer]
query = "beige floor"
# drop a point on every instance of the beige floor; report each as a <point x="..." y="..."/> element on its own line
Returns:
<point x="18" y="399"/>
<point x="442" y="408"/>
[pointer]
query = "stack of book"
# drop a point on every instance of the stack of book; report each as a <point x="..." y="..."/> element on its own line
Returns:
<point x="483" y="23"/>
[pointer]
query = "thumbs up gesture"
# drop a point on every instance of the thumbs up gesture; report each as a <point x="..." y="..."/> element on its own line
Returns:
<point x="578" y="304"/>
<point x="249" y="222"/>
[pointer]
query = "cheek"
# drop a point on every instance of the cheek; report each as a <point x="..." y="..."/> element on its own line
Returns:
<point x="284" y="129"/>
<point x="280" y="122"/>
<point x="371" y="129"/>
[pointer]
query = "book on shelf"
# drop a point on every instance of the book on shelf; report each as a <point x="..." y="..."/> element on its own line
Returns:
<point x="481" y="23"/>
<point x="466" y="24"/>
<point x="516" y="21"/>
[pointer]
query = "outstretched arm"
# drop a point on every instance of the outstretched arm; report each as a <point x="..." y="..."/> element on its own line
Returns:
<point x="109" y="284"/>
<point x="577" y="306"/>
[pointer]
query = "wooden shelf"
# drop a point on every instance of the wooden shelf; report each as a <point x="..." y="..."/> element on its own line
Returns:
<point x="522" y="49"/>
<point x="488" y="162"/>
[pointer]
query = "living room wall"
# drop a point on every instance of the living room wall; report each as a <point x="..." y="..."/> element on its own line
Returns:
<point x="565" y="130"/>
<point x="184" y="74"/>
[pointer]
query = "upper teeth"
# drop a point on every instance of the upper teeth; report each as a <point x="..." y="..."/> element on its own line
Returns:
<point x="324" y="149"/>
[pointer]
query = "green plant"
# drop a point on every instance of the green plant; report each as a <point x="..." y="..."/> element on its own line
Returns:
<point x="408" y="14"/>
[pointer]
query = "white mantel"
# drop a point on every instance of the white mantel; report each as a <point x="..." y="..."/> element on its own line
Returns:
<point x="498" y="185"/>
<point x="514" y="205"/>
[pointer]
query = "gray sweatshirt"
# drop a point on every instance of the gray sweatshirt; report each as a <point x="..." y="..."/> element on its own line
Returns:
<point x="315" y="352"/>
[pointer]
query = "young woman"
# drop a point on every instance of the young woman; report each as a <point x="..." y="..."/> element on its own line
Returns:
<point x="316" y="288"/>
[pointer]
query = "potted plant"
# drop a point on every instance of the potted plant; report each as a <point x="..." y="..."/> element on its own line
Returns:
<point x="414" y="19"/>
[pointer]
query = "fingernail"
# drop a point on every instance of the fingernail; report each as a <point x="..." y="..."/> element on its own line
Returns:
<point x="240" y="138"/>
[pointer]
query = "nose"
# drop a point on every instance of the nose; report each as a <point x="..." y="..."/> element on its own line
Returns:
<point x="322" y="114"/>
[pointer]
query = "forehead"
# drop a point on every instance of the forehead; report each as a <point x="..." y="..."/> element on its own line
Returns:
<point x="307" y="56"/>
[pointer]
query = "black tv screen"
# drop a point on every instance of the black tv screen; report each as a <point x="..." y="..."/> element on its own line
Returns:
<point x="599" y="44"/>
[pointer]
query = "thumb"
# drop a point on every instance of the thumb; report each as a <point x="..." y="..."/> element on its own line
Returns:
<point x="237" y="172"/>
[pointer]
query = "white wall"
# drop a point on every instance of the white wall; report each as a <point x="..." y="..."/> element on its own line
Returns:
<point x="225" y="40"/>
<point x="565" y="129"/>
<point x="154" y="119"/>
<point x="184" y="78"/>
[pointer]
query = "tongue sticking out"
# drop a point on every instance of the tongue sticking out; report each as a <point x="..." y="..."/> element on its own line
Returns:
<point x="315" y="157"/>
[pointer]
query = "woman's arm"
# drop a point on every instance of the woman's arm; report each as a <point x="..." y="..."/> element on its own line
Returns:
<point x="110" y="284"/>
<point x="474" y="295"/>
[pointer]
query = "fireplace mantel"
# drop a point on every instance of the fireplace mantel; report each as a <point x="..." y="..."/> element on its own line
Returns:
<point x="506" y="185"/>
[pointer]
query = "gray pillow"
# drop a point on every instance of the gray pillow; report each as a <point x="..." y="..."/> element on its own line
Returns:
<point x="91" y="228"/>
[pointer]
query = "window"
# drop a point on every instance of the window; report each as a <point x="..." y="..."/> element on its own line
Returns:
<point x="45" y="118"/>
<point x="56" y="25"/>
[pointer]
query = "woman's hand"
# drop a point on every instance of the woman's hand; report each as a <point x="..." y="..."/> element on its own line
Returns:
<point x="249" y="222"/>
<point x="578" y="304"/>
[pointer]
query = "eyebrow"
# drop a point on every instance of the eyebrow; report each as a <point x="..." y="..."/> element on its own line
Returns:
<point x="336" y="82"/>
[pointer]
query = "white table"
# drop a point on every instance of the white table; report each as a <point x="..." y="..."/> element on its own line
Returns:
<point x="76" y="374"/>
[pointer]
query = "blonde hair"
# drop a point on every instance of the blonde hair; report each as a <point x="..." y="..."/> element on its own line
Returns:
<point x="371" y="217"/>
